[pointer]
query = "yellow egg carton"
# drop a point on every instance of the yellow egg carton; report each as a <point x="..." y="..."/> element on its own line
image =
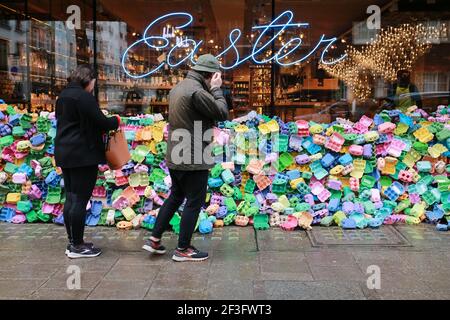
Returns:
<point x="437" y="150"/>
<point x="423" y="135"/>
<point x="359" y="166"/>
<point x="389" y="165"/>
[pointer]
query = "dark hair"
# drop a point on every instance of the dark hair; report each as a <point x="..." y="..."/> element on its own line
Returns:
<point x="83" y="75"/>
<point x="403" y="73"/>
<point x="206" y="75"/>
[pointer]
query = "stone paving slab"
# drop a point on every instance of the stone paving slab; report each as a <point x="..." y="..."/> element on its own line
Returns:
<point x="243" y="264"/>
<point x="335" y="236"/>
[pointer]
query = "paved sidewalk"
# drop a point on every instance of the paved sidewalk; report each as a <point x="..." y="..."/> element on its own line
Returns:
<point x="327" y="263"/>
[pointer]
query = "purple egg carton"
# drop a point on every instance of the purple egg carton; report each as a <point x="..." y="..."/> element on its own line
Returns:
<point x="222" y="212"/>
<point x="309" y="198"/>
<point x="302" y="159"/>
<point x="216" y="199"/>
<point x="348" y="207"/>
<point x="367" y="151"/>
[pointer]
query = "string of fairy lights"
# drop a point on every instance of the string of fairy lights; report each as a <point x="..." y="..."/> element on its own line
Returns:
<point x="393" y="49"/>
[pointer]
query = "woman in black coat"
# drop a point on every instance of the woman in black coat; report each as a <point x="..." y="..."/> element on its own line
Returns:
<point x="79" y="149"/>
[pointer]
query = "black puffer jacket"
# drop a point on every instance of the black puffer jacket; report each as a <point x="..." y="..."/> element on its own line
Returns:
<point x="81" y="125"/>
<point x="191" y="102"/>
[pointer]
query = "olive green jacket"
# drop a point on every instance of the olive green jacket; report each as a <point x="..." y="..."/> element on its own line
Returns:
<point x="193" y="110"/>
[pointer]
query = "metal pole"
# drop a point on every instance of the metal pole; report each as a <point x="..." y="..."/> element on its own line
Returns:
<point x="272" y="68"/>
<point x="27" y="48"/>
<point x="94" y="15"/>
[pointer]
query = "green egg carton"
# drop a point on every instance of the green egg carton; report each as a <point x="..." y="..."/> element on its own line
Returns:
<point x="53" y="195"/>
<point x="218" y="150"/>
<point x="230" y="204"/>
<point x="216" y="171"/>
<point x="18" y="132"/>
<point x="250" y="186"/>
<point x="10" y="110"/>
<point x="32" y="216"/>
<point x="261" y="222"/>
<point x="6" y="141"/>
<point x="229" y="219"/>
<point x="443" y="134"/>
<point x="10" y="168"/>
<point x="237" y="195"/>
<point x="44" y="217"/>
<point x="146" y="122"/>
<point x="175" y="223"/>
<point x="149" y="159"/>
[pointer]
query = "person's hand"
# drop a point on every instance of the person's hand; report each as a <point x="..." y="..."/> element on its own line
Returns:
<point x="216" y="81"/>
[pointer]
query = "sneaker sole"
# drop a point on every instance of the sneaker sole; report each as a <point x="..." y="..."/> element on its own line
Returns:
<point x="150" y="249"/>
<point x="185" y="259"/>
<point x="73" y="255"/>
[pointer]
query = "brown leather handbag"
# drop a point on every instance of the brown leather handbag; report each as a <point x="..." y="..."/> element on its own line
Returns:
<point x="117" y="154"/>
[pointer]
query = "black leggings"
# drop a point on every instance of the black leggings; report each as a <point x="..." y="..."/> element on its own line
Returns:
<point x="79" y="184"/>
<point x="185" y="184"/>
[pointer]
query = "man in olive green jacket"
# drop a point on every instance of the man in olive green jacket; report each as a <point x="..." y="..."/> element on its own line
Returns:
<point x="196" y="104"/>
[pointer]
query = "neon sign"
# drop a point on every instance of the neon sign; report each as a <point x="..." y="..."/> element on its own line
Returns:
<point x="160" y="42"/>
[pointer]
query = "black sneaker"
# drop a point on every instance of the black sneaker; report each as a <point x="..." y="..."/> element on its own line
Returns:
<point x="154" y="247"/>
<point x="83" y="251"/>
<point x="89" y="244"/>
<point x="189" y="254"/>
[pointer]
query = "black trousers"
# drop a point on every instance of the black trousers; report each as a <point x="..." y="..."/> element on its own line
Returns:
<point x="79" y="184"/>
<point x="191" y="185"/>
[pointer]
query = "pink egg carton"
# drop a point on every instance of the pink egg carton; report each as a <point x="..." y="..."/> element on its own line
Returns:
<point x="334" y="184"/>
<point x="303" y="128"/>
<point x="35" y="193"/>
<point x="414" y="198"/>
<point x="121" y="181"/>
<point x="354" y="184"/>
<point x="375" y="195"/>
<point x="141" y="168"/>
<point x="8" y="154"/>
<point x="47" y="208"/>
<point x="335" y="142"/>
<point x="405" y="176"/>
<point x="158" y="201"/>
<point x="356" y="150"/>
<point x="228" y="165"/>
<point x="395" y="218"/>
<point x="57" y="210"/>
<point x="140" y="190"/>
<point x="120" y="203"/>
<point x="396" y="147"/>
<point x="365" y="121"/>
<point x="386" y="127"/>
<point x="99" y="192"/>
<point x="255" y="166"/>
<point x="168" y="181"/>
<point x="381" y="149"/>
<point x="319" y="139"/>
<point x="212" y="209"/>
<point x="19" y="178"/>
<point x="222" y="138"/>
<point x="352" y="130"/>
<point x="324" y="195"/>
<point x="262" y="181"/>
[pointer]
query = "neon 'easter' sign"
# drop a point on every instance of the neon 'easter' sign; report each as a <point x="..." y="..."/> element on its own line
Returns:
<point x="159" y="42"/>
